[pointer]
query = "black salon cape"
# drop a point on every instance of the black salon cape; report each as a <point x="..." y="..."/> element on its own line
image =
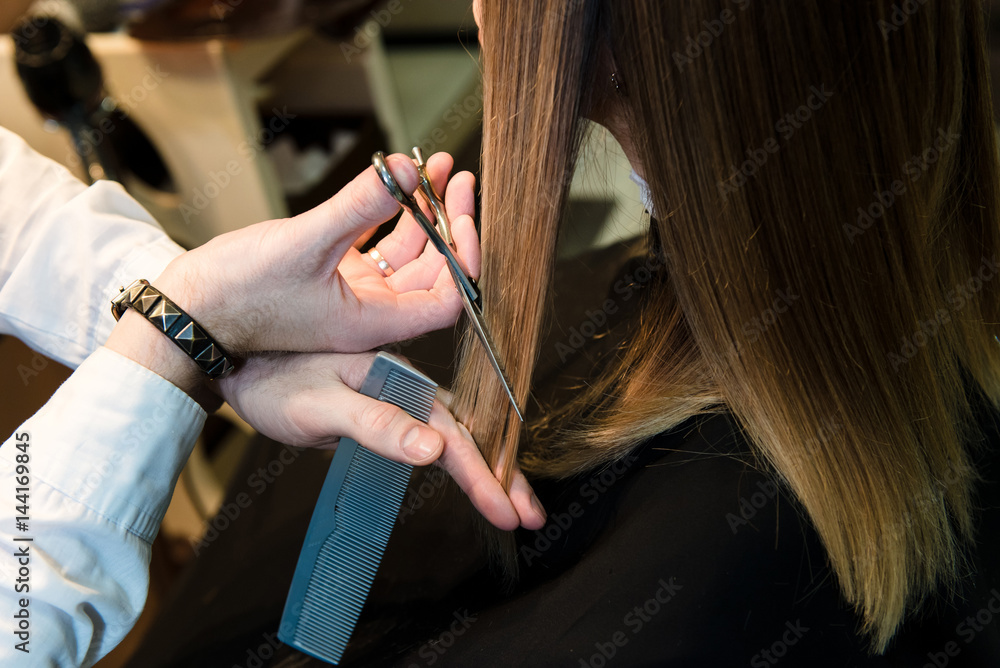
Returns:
<point x="697" y="559"/>
<point x="684" y="555"/>
<point x="689" y="557"/>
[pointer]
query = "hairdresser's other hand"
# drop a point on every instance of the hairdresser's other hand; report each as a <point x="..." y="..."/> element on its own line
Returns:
<point x="299" y="284"/>
<point x="310" y="400"/>
<point x="473" y="475"/>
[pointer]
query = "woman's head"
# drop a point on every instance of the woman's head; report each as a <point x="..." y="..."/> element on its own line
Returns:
<point x="825" y="181"/>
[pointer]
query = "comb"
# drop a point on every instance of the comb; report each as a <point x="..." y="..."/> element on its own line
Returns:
<point x="350" y="526"/>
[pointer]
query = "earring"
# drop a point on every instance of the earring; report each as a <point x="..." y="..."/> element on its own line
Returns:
<point x="619" y="84"/>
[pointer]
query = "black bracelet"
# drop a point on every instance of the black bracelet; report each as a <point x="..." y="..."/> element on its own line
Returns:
<point x="179" y="327"/>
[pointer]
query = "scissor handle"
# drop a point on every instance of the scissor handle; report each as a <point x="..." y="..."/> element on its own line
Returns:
<point x="461" y="276"/>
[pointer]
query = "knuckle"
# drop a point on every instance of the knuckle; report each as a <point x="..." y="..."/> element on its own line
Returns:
<point x="356" y="368"/>
<point x="366" y="204"/>
<point x="378" y="417"/>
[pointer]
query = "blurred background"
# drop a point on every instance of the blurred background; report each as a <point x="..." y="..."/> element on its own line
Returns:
<point x="217" y="114"/>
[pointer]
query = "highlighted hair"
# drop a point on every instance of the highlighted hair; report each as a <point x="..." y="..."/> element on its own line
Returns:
<point x="824" y="148"/>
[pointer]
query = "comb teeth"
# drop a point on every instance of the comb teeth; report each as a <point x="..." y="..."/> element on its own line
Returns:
<point x="366" y="512"/>
<point x="351" y="525"/>
<point x="409" y="393"/>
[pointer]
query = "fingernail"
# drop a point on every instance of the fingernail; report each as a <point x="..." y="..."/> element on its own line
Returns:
<point x="419" y="446"/>
<point x="537" y="506"/>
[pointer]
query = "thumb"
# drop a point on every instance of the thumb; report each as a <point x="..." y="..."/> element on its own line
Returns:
<point x="362" y="204"/>
<point x="386" y="430"/>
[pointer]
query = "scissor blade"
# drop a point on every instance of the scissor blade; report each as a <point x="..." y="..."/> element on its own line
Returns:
<point x="479" y="326"/>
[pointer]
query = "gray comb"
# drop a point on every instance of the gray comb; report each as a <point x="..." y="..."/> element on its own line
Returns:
<point x="350" y="526"/>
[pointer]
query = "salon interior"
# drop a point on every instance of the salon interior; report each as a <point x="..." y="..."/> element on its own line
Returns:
<point x="217" y="114"/>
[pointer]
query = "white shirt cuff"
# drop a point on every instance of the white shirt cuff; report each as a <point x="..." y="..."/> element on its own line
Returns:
<point x="114" y="438"/>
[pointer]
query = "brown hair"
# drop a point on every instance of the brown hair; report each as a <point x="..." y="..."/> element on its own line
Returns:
<point x="842" y="152"/>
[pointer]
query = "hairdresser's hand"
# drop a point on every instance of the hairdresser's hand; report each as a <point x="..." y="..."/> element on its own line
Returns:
<point x="300" y="285"/>
<point x="309" y="400"/>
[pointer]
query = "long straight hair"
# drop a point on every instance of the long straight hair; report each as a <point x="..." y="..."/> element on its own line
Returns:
<point x="824" y="176"/>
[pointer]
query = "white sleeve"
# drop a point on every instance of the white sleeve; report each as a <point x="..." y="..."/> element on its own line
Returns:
<point x="101" y="460"/>
<point x="65" y="249"/>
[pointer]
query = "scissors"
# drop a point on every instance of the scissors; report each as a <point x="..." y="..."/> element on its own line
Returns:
<point x="472" y="298"/>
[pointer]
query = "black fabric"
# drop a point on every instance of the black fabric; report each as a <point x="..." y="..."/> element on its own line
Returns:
<point x="686" y="554"/>
<point x="743" y="575"/>
<point x="736" y="569"/>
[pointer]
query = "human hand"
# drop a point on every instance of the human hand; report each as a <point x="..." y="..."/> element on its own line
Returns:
<point x="309" y="400"/>
<point x="300" y="285"/>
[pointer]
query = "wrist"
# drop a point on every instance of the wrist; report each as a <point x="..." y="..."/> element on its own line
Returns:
<point x="207" y="300"/>
<point x="138" y="339"/>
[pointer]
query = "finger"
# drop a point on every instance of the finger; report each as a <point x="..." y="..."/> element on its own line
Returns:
<point x="391" y="317"/>
<point x="362" y="204"/>
<point x="383" y="428"/>
<point x="461" y="203"/>
<point x="352" y="369"/>
<point x="446" y="397"/>
<point x="357" y="267"/>
<point x="418" y="312"/>
<point x="363" y="239"/>
<point x="421" y="274"/>
<point x="377" y="262"/>
<point x="467" y="243"/>
<point x="428" y="272"/>
<point x="439" y="168"/>
<point x="528" y="507"/>
<point x="463" y="461"/>
<point x="460" y="198"/>
<point x="404" y="244"/>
